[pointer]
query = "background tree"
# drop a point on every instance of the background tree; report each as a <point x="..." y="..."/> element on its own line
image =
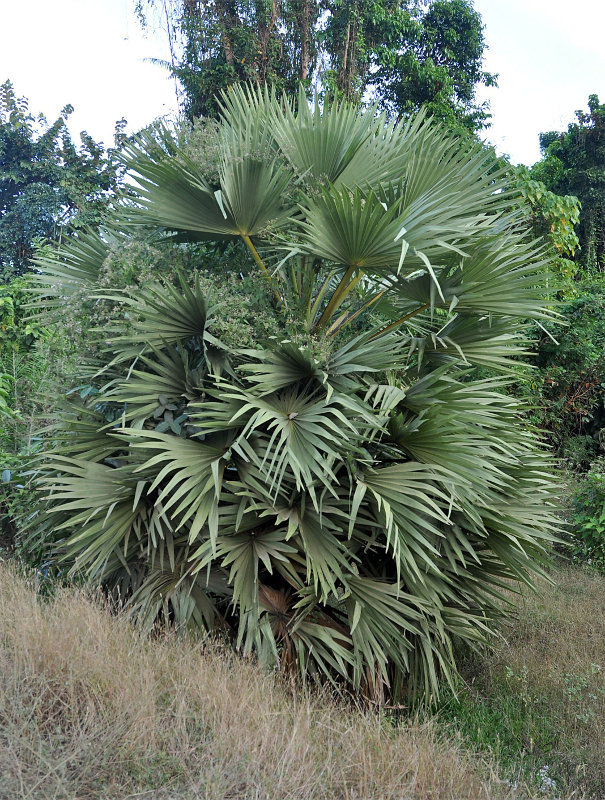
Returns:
<point x="46" y="181"/>
<point x="217" y="44"/>
<point x="569" y="383"/>
<point x="409" y="54"/>
<point x="574" y="164"/>
<point x="402" y="53"/>
<point x="566" y="193"/>
<point x="49" y="187"/>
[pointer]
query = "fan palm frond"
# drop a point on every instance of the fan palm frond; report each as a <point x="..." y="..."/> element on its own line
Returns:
<point x="320" y="144"/>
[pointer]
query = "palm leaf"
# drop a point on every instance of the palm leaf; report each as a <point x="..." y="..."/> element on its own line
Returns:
<point x="321" y="145"/>
<point x="72" y="267"/>
<point x="188" y="475"/>
<point x="353" y="229"/>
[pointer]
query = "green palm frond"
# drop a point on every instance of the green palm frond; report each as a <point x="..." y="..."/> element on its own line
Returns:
<point x="453" y="190"/>
<point x="301" y="433"/>
<point x="74" y="266"/>
<point x="253" y="179"/>
<point x="321" y="144"/>
<point x="171" y="313"/>
<point x="174" y="193"/>
<point x="365" y="355"/>
<point x="83" y="431"/>
<point x="353" y="229"/>
<point x="292" y="365"/>
<point x="500" y="277"/>
<point x="168" y="315"/>
<point x="496" y="344"/>
<point x="171" y="592"/>
<point x="187" y="475"/>
<point x="384" y="622"/>
<point x="381" y="157"/>
<point x="328" y="559"/>
<point x="102" y="504"/>
<point x="248" y="113"/>
<point x="251" y="191"/>
<point x="411" y="509"/>
<point x="278" y="369"/>
<point x="165" y="381"/>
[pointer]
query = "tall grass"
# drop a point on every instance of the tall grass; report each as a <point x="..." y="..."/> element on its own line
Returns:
<point x="537" y="701"/>
<point x="89" y="709"/>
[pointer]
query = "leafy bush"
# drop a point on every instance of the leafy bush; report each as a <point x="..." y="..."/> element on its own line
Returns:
<point x="568" y="387"/>
<point x="309" y="468"/>
<point x="24" y="371"/>
<point x="553" y="217"/>
<point x="579" y="451"/>
<point x="588" y="517"/>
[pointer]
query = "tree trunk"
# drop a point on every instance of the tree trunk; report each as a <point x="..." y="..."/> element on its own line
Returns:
<point x="305" y="55"/>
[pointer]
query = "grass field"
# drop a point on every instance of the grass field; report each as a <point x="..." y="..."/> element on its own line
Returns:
<point x="537" y="702"/>
<point x="89" y="709"/>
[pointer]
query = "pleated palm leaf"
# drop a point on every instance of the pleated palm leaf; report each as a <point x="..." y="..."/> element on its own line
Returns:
<point x="345" y="499"/>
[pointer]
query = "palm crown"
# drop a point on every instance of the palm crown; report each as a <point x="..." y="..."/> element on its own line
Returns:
<point x="345" y="498"/>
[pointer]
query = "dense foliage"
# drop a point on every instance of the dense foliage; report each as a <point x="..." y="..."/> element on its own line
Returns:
<point x="49" y="187"/>
<point x="570" y="380"/>
<point x="554" y="218"/>
<point x="588" y="517"/>
<point x="574" y="164"/>
<point x="403" y="53"/>
<point x="46" y="181"/>
<point x="568" y="387"/>
<point x="324" y="482"/>
<point x="29" y="374"/>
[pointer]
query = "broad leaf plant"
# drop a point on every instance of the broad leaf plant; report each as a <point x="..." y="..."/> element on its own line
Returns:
<point x="346" y="499"/>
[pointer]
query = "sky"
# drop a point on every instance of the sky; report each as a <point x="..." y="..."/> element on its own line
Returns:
<point x="550" y="57"/>
<point x="92" y="54"/>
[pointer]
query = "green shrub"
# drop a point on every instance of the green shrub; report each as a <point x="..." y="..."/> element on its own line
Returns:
<point x="568" y="387"/>
<point x="307" y="467"/>
<point x="588" y="517"/>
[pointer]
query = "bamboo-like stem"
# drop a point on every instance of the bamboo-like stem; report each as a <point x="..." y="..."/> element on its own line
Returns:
<point x="401" y="320"/>
<point x="248" y="242"/>
<point x="345" y="286"/>
<point x="336" y="326"/>
<point x="315" y="303"/>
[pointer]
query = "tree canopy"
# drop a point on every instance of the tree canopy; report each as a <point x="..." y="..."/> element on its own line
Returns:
<point x="401" y="53"/>
<point x="574" y="164"/>
<point x="46" y="181"/>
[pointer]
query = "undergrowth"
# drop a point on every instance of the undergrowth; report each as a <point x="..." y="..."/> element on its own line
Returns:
<point x="537" y="701"/>
<point x="91" y="709"/>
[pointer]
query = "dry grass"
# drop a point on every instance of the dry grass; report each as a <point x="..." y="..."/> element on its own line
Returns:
<point x="90" y="710"/>
<point x="561" y="627"/>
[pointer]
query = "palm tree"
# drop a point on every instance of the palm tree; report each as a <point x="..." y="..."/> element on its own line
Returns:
<point x="347" y="498"/>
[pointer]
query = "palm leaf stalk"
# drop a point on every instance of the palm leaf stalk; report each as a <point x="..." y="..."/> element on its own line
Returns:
<point x="347" y="499"/>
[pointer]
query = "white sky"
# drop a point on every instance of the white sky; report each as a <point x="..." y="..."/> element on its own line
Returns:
<point x="91" y="53"/>
<point x="550" y="57"/>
